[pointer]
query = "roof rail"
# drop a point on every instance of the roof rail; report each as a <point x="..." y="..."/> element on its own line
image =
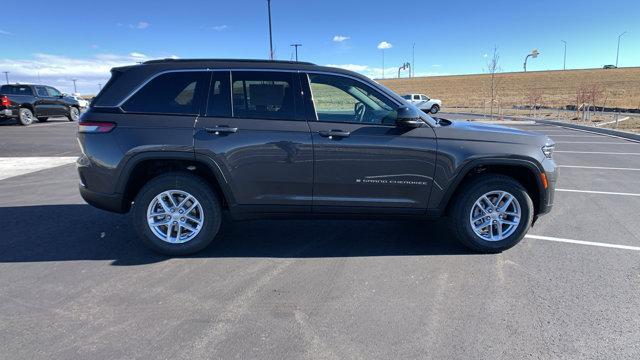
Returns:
<point x="169" y="60"/>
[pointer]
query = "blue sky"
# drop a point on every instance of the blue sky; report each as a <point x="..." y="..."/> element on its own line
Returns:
<point x="80" y="39"/>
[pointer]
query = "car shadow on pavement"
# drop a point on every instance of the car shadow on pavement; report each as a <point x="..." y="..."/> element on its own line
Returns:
<point x="81" y="232"/>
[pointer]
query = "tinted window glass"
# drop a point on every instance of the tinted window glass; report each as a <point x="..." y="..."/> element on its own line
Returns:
<point x="406" y="97"/>
<point x="16" y="90"/>
<point x="422" y="97"/>
<point x="53" y="92"/>
<point x="22" y="90"/>
<point x="42" y="91"/>
<point x="219" y="95"/>
<point x="416" y="97"/>
<point x="171" y="93"/>
<point x="341" y="99"/>
<point x="263" y="95"/>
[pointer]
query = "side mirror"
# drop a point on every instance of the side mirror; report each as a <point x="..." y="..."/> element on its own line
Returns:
<point x="408" y="117"/>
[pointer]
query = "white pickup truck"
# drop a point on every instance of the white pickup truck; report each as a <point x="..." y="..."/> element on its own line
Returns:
<point x="424" y="103"/>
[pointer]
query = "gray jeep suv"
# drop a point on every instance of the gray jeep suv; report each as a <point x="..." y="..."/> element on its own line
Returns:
<point x="177" y="142"/>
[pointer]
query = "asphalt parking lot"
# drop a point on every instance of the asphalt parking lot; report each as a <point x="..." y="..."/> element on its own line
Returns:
<point x="76" y="284"/>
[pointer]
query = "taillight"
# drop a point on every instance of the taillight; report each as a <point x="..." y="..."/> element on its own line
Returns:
<point x="4" y="101"/>
<point x="95" y="127"/>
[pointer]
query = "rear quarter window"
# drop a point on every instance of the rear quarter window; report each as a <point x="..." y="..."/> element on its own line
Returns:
<point x="170" y="93"/>
<point x="16" y="90"/>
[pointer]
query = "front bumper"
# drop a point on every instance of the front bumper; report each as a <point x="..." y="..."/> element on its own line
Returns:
<point x="551" y="173"/>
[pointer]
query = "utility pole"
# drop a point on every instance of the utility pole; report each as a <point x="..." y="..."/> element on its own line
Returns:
<point x="99" y="87"/>
<point x="270" y="36"/>
<point x="564" y="67"/>
<point x="296" y="46"/>
<point x="412" y="72"/>
<point x="618" y="52"/>
<point x="6" y="76"/>
<point x="75" y="90"/>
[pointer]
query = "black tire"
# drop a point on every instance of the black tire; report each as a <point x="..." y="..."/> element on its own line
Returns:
<point x="25" y="117"/>
<point x="42" y="119"/>
<point x="464" y="202"/>
<point x="434" y="109"/>
<point x="74" y="114"/>
<point x="191" y="184"/>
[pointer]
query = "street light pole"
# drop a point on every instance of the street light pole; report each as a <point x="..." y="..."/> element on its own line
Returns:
<point x="534" y="54"/>
<point x="564" y="66"/>
<point x="6" y="76"/>
<point x="99" y="87"/>
<point x="412" y="73"/>
<point x="75" y="90"/>
<point x="296" y="46"/>
<point x="270" y="36"/>
<point x="618" y="52"/>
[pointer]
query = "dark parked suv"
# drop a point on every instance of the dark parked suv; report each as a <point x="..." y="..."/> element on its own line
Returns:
<point x="179" y="141"/>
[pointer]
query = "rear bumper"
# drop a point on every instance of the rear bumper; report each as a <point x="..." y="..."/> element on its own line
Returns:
<point x="6" y="113"/>
<point x="108" y="202"/>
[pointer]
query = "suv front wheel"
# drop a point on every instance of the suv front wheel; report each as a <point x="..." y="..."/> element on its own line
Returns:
<point x="492" y="214"/>
<point x="177" y="214"/>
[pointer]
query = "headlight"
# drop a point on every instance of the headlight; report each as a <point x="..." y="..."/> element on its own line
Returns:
<point x="547" y="150"/>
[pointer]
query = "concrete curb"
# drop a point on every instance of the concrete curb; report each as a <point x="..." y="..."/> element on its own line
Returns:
<point x="618" y="133"/>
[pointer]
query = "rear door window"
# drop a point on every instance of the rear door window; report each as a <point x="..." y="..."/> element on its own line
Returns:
<point x="264" y="95"/>
<point x="219" y="95"/>
<point x="171" y="93"/>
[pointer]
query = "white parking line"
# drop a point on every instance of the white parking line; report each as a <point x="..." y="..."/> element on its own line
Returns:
<point x="594" y="152"/>
<point x="597" y="167"/>
<point x="598" y="192"/>
<point x="15" y="166"/>
<point x="597" y="133"/>
<point x="581" y="242"/>
<point x="596" y="142"/>
<point x="580" y="136"/>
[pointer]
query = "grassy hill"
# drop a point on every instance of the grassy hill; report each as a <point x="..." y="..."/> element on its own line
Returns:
<point x="619" y="88"/>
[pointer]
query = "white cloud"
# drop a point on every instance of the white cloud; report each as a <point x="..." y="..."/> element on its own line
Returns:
<point x="95" y="46"/>
<point x="140" y="25"/>
<point x="173" y="56"/>
<point x="219" y="27"/>
<point x="59" y="70"/>
<point x="485" y="56"/>
<point x="137" y="55"/>
<point x="341" y="38"/>
<point x="2" y="32"/>
<point x="384" y="45"/>
<point x="436" y="65"/>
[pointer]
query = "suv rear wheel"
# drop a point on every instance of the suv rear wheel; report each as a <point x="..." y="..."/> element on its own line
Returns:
<point x="177" y="214"/>
<point x="492" y="214"/>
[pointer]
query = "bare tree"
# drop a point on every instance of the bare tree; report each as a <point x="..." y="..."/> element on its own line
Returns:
<point x="534" y="100"/>
<point x="586" y="98"/>
<point x="493" y="68"/>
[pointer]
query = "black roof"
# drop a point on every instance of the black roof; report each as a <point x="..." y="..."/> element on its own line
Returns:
<point x="218" y="61"/>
